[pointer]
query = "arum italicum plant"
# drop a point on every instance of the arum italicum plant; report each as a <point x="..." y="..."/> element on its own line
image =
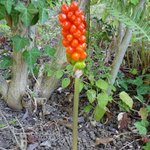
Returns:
<point x="73" y="24"/>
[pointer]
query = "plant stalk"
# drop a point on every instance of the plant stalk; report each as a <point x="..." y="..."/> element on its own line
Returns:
<point x="75" y="113"/>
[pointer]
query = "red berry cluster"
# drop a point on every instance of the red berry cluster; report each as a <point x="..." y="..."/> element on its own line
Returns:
<point x="72" y="21"/>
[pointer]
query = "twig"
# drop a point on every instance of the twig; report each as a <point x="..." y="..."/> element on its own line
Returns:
<point x="12" y="131"/>
<point x="129" y="144"/>
<point x="1" y="148"/>
<point x="23" y="137"/>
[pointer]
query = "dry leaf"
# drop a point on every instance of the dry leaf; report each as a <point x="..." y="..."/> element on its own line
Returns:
<point x="103" y="141"/>
<point x="123" y="120"/>
<point x="145" y="139"/>
<point x="143" y="113"/>
<point x="31" y="138"/>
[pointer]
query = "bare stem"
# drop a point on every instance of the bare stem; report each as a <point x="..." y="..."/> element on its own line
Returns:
<point x="75" y="113"/>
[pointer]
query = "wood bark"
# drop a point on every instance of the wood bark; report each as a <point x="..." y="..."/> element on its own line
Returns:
<point x="3" y="87"/>
<point x="46" y="85"/>
<point x="18" y="82"/>
<point x="123" y="44"/>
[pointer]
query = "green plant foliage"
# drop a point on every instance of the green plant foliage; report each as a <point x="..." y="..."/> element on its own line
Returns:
<point x="134" y="20"/>
<point x="88" y="108"/>
<point x="102" y="84"/>
<point x="144" y="89"/>
<point x="138" y="84"/>
<point x="2" y="12"/>
<point x="8" y="5"/>
<point x="19" y="43"/>
<point x="134" y="2"/>
<point x="32" y="9"/>
<point x="126" y="99"/>
<point x="5" y="62"/>
<point x="102" y="99"/>
<point x="91" y="94"/>
<point x="59" y="73"/>
<point x="48" y="70"/>
<point x="43" y="15"/>
<point x="20" y="7"/>
<point x="31" y="57"/>
<point x="142" y="126"/>
<point x="65" y="82"/>
<point x="147" y="146"/>
<point x="49" y="51"/>
<point x="99" y="112"/>
<point x="28" y="14"/>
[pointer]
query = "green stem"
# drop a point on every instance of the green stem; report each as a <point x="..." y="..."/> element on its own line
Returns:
<point x="75" y="113"/>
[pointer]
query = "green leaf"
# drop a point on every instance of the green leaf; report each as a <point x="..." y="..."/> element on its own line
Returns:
<point x="147" y="146"/>
<point x="126" y="99"/>
<point x="59" y="74"/>
<point x="31" y="9"/>
<point x="103" y="99"/>
<point x="3" y="125"/>
<point x="5" y="62"/>
<point x="2" y="2"/>
<point x="14" y="121"/>
<point x="99" y="113"/>
<point x="20" y="7"/>
<point x="91" y="94"/>
<point x="134" y="71"/>
<point x="8" y="5"/>
<point x="26" y="18"/>
<point x="48" y="70"/>
<point x="65" y="82"/>
<point x="102" y="84"/>
<point x="140" y="98"/>
<point x="87" y="108"/>
<point x="144" y="89"/>
<point x="142" y="126"/>
<point x="148" y="108"/>
<point x="134" y="2"/>
<point x="31" y="57"/>
<point x="138" y="81"/>
<point x="15" y="17"/>
<point x="49" y="51"/>
<point x="81" y="86"/>
<point x="2" y="12"/>
<point x="38" y="3"/>
<point x="43" y="15"/>
<point x="19" y="42"/>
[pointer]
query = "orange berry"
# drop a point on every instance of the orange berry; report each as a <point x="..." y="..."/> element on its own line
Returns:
<point x="83" y="55"/>
<point x="73" y="29"/>
<point x="65" y="8"/>
<point x="84" y="46"/>
<point x="69" y="37"/>
<point x="75" y="56"/>
<point x="74" y="6"/>
<point x="79" y="49"/>
<point x="77" y="21"/>
<point x="70" y="14"/>
<point x="62" y="17"/>
<point x="69" y="50"/>
<point x="77" y="34"/>
<point x="78" y="13"/>
<point x="66" y="25"/>
<point x="74" y="43"/>
<point x="65" y="43"/>
<point x="82" y="39"/>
